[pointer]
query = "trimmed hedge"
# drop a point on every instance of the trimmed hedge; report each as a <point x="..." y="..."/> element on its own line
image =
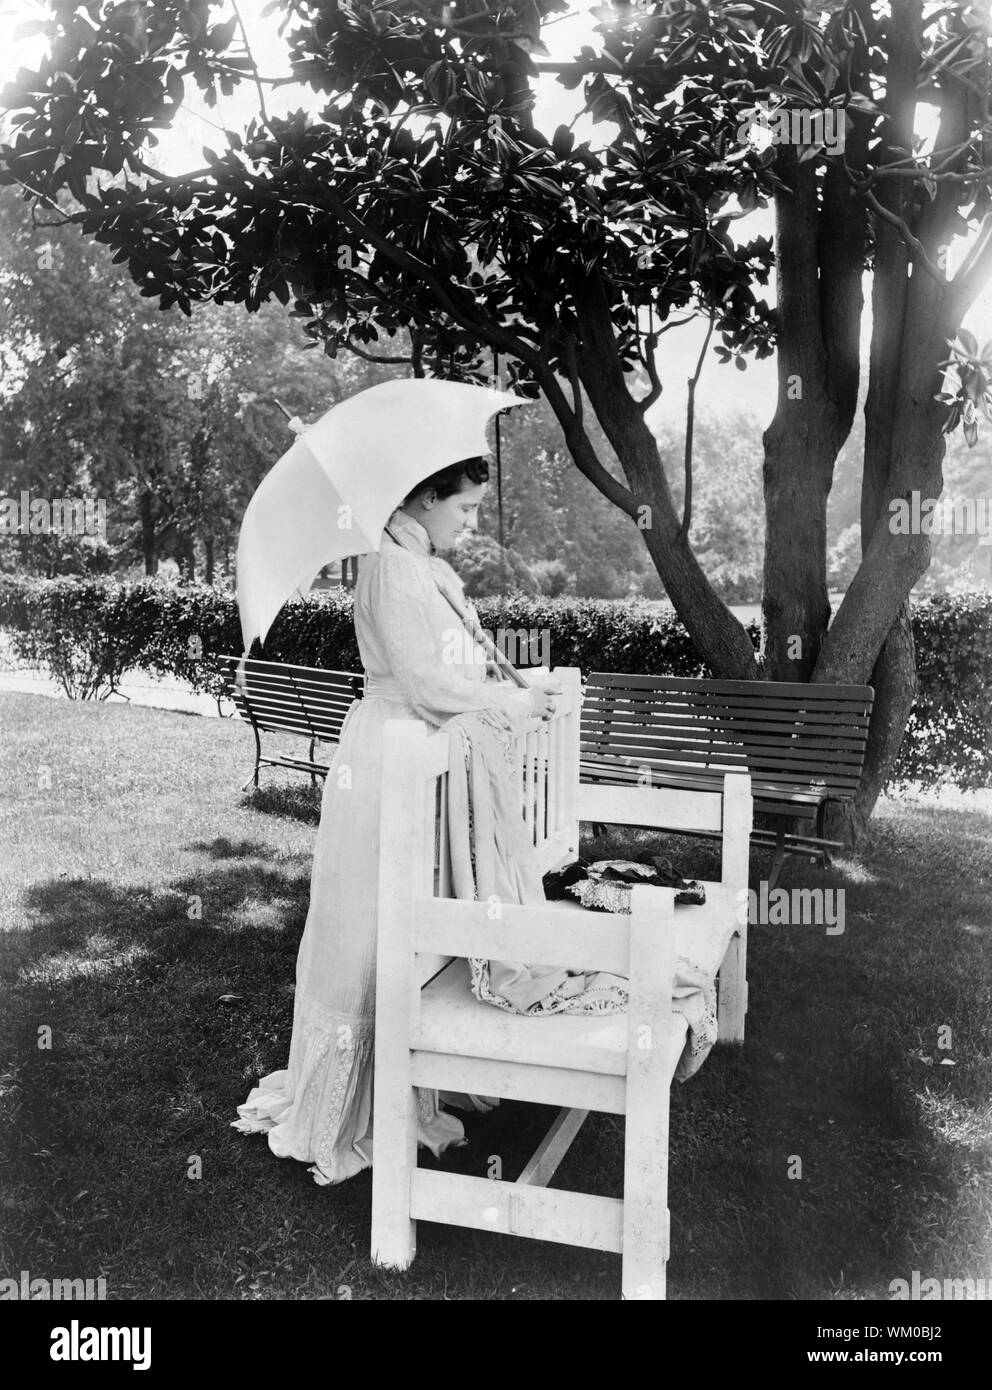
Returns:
<point x="949" y="737"/>
<point x="602" y="634"/>
<point x="90" y="632"/>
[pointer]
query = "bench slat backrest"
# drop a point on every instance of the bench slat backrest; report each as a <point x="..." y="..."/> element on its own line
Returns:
<point x="293" y="699"/>
<point x="794" y="736"/>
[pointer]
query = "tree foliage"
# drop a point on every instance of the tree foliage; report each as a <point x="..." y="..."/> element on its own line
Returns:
<point x="418" y="194"/>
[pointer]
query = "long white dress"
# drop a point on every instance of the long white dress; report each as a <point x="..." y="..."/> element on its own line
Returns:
<point x="319" y="1109"/>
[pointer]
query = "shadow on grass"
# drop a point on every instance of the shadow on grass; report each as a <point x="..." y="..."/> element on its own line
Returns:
<point x="804" y="1164"/>
<point x="292" y="803"/>
<point x="831" y="1154"/>
<point x="224" y="848"/>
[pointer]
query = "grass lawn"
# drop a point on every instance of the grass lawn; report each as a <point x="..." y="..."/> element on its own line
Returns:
<point x="119" y="825"/>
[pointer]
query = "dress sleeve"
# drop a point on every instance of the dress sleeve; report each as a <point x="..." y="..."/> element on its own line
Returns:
<point x="401" y="593"/>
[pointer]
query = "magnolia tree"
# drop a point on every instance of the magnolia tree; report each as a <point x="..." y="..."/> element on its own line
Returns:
<point x="416" y="199"/>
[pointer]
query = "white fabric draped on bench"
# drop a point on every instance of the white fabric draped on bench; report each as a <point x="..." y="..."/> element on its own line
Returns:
<point x="493" y="860"/>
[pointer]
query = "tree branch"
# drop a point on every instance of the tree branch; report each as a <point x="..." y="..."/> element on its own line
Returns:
<point x="254" y="65"/>
<point x="651" y="367"/>
<point x="573" y="376"/>
<point x="165" y="180"/>
<point x="690" y="417"/>
<point x="421" y="271"/>
<point x="370" y="357"/>
<point x="925" y="176"/>
<point x="914" y="244"/>
<point x="448" y="26"/>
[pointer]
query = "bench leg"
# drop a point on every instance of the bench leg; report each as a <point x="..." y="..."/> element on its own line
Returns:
<point x="645" y="1199"/>
<point x="258" y="761"/>
<point x="253" y="776"/>
<point x="394" y="1161"/>
<point x="732" y="999"/>
<point x="779" y="860"/>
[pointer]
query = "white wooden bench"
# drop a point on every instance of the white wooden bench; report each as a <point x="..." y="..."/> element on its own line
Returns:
<point x="432" y="1032"/>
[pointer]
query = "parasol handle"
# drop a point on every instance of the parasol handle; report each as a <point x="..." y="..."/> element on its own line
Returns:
<point x="293" y="421"/>
<point x="502" y="661"/>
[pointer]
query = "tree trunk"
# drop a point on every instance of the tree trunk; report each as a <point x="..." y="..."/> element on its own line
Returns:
<point x="722" y="641"/>
<point x="795" y="605"/>
<point x="894" y="681"/>
<point x="208" y="552"/>
<point x="149" y="540"/>
<point x="820" y="236"/>
<point x="915" y="313"/>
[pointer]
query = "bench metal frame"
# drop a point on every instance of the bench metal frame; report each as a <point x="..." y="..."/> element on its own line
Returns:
<point x="803" y="745"/>
<point x="274" y="697"/>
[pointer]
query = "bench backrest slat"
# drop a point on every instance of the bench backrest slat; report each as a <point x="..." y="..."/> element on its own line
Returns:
<point x="327" y="730"/>
<point x="665" y="710"/>
<point x="277" y="703"/>
<point x="280" y="698"/>
<point x="757" y="761"/>
<point x="789" y="735"/>
<point x="829" y="694"/>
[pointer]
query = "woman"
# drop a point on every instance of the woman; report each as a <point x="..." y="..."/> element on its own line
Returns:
<point x="320" y="1108"/>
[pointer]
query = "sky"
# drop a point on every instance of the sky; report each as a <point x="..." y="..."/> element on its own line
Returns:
<point x="722" y="388"/>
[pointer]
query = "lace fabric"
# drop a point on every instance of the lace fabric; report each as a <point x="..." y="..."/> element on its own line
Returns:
<point x="481" y="787"/>
<point x="492" y="857"/>
<point x="319" y="1110"/>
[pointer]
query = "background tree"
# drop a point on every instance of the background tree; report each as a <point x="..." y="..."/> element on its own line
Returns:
<point x="574" y="540"/>
<point x="171" y="421"/>
<point x="885" y="203"/>
<point x="421" y="196"/>
<point x="728" y="520"/>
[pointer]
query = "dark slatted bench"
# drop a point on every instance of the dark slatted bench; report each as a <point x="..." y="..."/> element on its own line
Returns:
<point x="276" y="698"/>
<point x="804" y="745"/>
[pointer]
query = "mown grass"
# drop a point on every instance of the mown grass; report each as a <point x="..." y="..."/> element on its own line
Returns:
<point x="119" y="824"/>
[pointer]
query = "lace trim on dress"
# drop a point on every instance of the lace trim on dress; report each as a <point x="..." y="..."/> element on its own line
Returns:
<point x="411" y="532"/>
<point x="353" y="1049"/>
<point x="320" y="1109"/>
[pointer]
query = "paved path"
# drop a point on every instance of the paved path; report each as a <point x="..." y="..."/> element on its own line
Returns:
<point x="139" y="688"/>
<point x="143" y="688"/>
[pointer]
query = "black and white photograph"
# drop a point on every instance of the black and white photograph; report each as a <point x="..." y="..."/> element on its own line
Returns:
<point x="496" y="667"/>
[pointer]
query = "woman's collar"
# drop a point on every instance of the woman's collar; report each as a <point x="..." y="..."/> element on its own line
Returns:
<point x="410" y="532"/>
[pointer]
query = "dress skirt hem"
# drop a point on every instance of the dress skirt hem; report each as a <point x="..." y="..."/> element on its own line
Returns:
<point x="326" y="1117"/>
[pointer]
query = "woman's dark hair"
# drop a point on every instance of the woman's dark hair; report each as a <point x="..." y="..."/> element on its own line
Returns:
<point x="447" y="481"/>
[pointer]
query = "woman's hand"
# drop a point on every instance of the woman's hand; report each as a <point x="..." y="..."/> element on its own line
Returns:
<point x="544" y="689"/>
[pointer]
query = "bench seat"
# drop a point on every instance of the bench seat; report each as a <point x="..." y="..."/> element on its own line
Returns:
<point x="452" y="1019"/>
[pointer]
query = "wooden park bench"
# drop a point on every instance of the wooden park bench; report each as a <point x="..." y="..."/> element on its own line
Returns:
<point x="432" y="1032"/>
<point x="277" y="698"/>
<point x="804" y="745"/>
